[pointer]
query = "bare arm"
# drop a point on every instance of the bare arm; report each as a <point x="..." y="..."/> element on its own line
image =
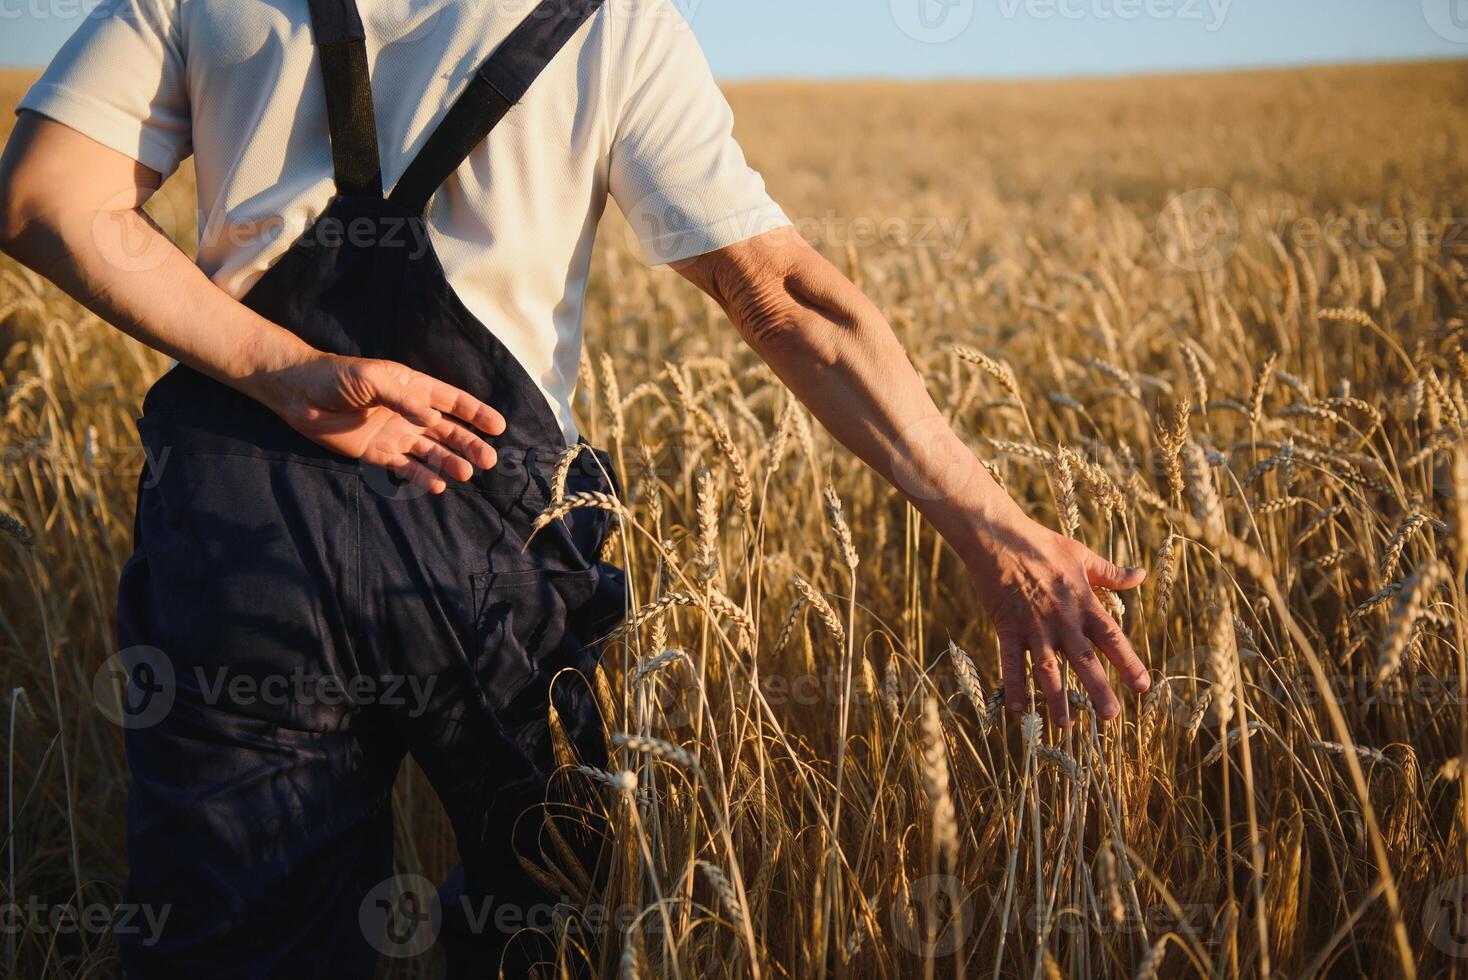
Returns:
<point x="71" y="209"/>
<point x="833" y="348"/>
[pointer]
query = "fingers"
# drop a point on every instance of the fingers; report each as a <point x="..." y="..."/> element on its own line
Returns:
<point x="1091" y="672"/>
<point x="421" y="476"/>
<point x="423" y="400"/>
<point x="1111" y="576"/>
<point x="1012" y="660"/>
<point x="409" y="469"/>
<point x="437" y="447"/>
<point x="395" y="386"/>
<point x="405" y="467"/>
<point x="465" y="443"/>
<point x="1048" y="678"/>
<point x="1111" y="641"/>
<point x="462" y="405"/>
<point x="1066" y="619"/>
<point x="438" y="459"/>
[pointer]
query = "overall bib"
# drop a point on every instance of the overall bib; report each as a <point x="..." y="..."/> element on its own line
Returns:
<point x="295" y="623"/>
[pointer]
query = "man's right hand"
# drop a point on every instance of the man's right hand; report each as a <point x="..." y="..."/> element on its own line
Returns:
<point x="385" y="414"/>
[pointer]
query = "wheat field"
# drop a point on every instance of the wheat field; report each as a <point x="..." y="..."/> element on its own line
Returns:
<point x="1211" y="325"/>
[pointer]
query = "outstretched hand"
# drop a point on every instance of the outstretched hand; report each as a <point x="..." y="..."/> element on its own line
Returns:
<point x="388" y="415"/>
<point x="1037" y="587"/>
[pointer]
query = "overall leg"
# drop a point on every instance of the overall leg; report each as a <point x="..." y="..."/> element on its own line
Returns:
<point x="259" y="815"/>
<point x="505" y="629"/>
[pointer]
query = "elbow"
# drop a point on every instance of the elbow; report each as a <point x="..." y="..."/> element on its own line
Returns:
<point x="792" y="335"/>
<point x="781" y="296"/>
<point x="29" y="217"/>
<point x="759" y="300"/>
<point x="22" y="189"/>
<point x="769" y="328"/>
<point x="12" y="221"/>
<point x="16" y="211"/>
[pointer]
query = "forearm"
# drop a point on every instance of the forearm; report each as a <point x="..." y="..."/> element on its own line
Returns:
<point x="165" y="302"/>
<point x="836" y="352"/>
<point x="831" y="346"/>
<point x="101" y="249"/>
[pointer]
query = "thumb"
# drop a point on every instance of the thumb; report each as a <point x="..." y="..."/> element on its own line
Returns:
<point x="1107" y="575"/>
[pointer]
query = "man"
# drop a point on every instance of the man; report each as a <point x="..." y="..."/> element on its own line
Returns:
<point x="397" y="212"/>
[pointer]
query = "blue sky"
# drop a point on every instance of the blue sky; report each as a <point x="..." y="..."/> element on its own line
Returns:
<point x="990" y="38"/>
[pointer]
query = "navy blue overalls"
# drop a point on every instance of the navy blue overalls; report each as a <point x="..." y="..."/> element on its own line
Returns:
<point x="306" y="621"/>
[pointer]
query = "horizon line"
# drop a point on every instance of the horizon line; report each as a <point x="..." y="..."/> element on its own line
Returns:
<point x="1043" y="76"/>
<point x="1104" y="75"/>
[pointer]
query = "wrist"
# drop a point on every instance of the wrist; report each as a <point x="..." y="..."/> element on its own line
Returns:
<point x="989" y="522"/>
<point x="966" y="505"/>
<point x="266" y="368"/>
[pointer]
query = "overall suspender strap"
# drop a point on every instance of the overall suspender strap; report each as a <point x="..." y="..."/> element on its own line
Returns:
<point x="341" y="44"/>
<point x="498" y="85"/>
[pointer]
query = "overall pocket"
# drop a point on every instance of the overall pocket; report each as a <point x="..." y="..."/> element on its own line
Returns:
<point x="543" y="610"/>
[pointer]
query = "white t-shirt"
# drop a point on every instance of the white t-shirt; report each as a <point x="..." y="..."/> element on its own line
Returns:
<point x="628" y="107"/>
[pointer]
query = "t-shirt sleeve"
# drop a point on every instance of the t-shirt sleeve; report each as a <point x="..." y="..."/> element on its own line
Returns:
<point x="120" y="80"/>
<point x="675" y="169"/>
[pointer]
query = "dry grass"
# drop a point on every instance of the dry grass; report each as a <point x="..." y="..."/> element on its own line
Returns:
<point x="822" y="782"/>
